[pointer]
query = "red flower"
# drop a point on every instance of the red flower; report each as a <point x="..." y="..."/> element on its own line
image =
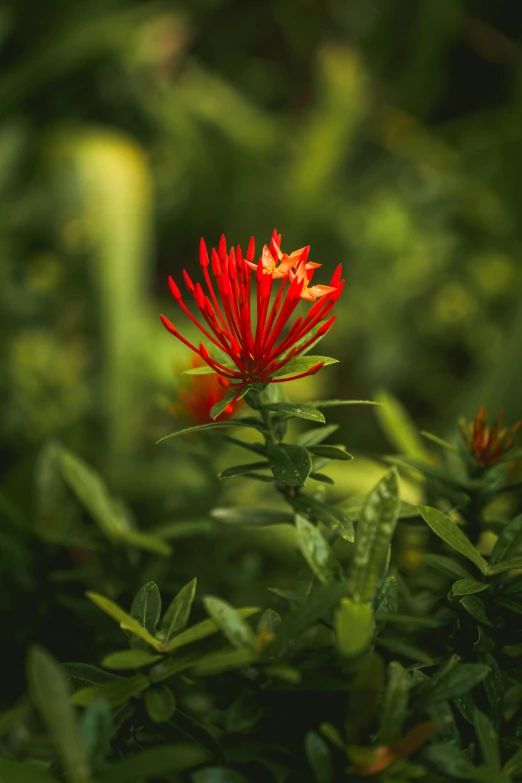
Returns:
<point x="485" y="444"/>
<point x="256" y="348"/>
<point x="199" y="394"/>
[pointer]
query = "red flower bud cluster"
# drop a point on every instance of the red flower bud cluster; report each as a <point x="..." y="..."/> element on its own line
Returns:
<point x="488" y="445"/>
<point x="257" y="341"/>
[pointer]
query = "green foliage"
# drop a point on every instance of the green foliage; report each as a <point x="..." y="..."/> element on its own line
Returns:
<point x="353" y="633"/>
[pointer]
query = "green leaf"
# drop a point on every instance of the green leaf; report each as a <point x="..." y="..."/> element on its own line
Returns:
<point x="438" y="441"/>
<point x="21" y="772"/>
<point x="455" y="681"/>
<point x="229" y="622"/>
<point x="50" y="693"/>
<point x="296" y="410"/>
<point x="201" y="630"/>
<point x="488" y="740"/>
<point x="217" y="409"/>
<point x="446" y="565"/>
<point x="147" y="542"/>
<point x="97" y="730"/>
<point x="508" y="543"/>
<point x="115" y="693"/>
<point x="302" y="364"/>
<point x="126" y="622"/>
<point x="476" y="608"/>
<point x="512" y="768"/>
<point x="399" y="427"/>
<point x="324" y="479"/>
<point x="218" y="775"/>
<point x="445" y="528"/>
<point x="130" y="659"/>
<point x="269" y="620"/>
<point x="241" y="470"/>
<point x="316" y="436"/>
<point x="330" y="452"/>
<point x="374" y="534"/>
<point x="251" y="423"/>
<point x="467" y="587"/>
<point x="318" y="604"/>
<point x="160" y="703"/>
<point x="223" y="661"/>
<point x="399" y="647"/>
<point x="508" y="565"/>
<point x="334" y="518"/>
<point x="153" y="763"/>
<point x="257" y="448"/>
<point x="206" y="370"/>
<point x="450" y="760"/>
<point x="354" y="626"/>
<point x="395" y="704"/>
<point x="146" y="606"/>
<point x="290" y="464"/>
<point x="508" y="603"/>
<point x="177" y="615"/>
<point x="316" y="551"/>
<point x="80" y="675"/>
<point x="319" y="758"/>
<point x="251" y="515"/>
<point x="337" y="403"/>
<point x="93" y="494"/>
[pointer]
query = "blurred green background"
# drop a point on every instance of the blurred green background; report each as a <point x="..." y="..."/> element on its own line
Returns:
<point x="385" y="133"/>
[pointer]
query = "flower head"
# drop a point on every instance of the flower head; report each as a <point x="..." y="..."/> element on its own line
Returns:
<point x="488" y="445"/>
<point x="198" y="394"/>
<point x="255" y="348"/>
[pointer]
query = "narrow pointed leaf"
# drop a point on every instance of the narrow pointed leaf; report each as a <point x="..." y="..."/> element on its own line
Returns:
<point x="295" y="410"/>
<point x="319" y="758"/>
<point x="509" y="542"/>
<point x="340" y="403"/>
<point x="217" y="409"/>
<point x="223" y="661"/>
<point x="177" y="615"/>
<point x="130" y="659"/>
<point x="316" y="551"/>
<point x="488" y="740"/>
<point x="200" y="631"/>
<point x="508" y="565"/>
<point x="50" y="693"/>
<point x="251" y="423"/>
<point x="399" y="427"/>
<point x="242" y="470"/>
<point x="302" y="364"/>
<point x="229" y="622"/>
<point x="115" y="693"/>
<point x="374" y="534"/>
<point x="445" y="528"/>
<point x="153" y="763"/>
<point x="206" y="370"/>
<point x="330" y="452"/>
<point x="468" y="587"/>
<point x="395" y="705"/>
<point x="316" y="436"/>
<point x="126" y="622"/>
<point x="146" y="606"/>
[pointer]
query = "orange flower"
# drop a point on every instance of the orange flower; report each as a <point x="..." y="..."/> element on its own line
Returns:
<point x="486" y="444"/>
<point x="199" y="393"/>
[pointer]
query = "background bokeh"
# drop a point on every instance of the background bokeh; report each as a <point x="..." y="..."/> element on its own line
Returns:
<point x="385" y="133"/>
